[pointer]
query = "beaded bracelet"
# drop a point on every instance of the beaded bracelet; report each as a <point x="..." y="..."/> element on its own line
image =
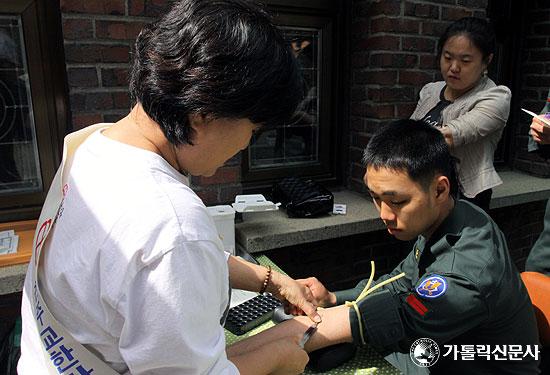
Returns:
<point x="266" y="280"/>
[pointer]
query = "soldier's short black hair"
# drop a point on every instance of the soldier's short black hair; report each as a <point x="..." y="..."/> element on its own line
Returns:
<point x="414" y="147"/>
<point x="222" y="58"/>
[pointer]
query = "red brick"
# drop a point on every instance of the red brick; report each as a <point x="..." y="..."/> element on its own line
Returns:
<point x="394" y="25"/>
<point x="421" y="10"/>
<point x="78" y="53"/>
<point x="117" y="7"/>
<point x="118" y="30"/>
<point x="393" y="60"/>
<point x="473" y="3"/>
<point x="94" y="53"/>
<point x="433" y="28"/>
<point x="223" y="175"/>
<point x="82" y="77"/>
<point x="115" y="54"/>
<point x="121" y="100"/>
<point x="428" y="62"/>
<point x="404" y="110"/>
<point x="80" y="120"/>
<point x="418" y="44"/>
<point x="391" y="94"/>
<point x="383" y="42"/>
<point x="453" y="13"/>
<point x="386" y="7"/>
<point x="381" y="77"/>
<point x="78" y="28"/>
<point x="98" y="101"/>
<point x="148" y="8"/>
<point x="112" y="77"/>
<point x="380" y="111"/>
<point x="136" y="7"/>
<point x="414" y="77"/>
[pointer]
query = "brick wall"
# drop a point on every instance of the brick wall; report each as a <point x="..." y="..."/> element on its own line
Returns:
<point x="535" y="81"/>
<point x="393" y="50"/>
<point x="98" y="41"/>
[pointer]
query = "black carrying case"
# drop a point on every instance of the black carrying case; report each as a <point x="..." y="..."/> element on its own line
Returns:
<point x="303" y="198"/>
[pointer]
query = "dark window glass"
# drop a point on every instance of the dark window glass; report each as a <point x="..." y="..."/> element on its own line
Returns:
<point x="20" y="167"/>
<point x="297" y="142"/>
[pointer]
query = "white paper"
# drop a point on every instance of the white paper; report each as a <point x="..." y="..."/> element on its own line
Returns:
<point x="8" y="244"/>
<point x="545" y="120"/>
<point x="7" y="233"/>
<point x="339" y="209"/>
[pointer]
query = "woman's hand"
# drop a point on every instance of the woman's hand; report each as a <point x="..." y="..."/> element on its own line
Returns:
<point x="323" y="297"/>
<point x="297" y="297"/>
<point x="448" y="135"/>
<point x="540" y="132"/>
<point x="261" y="354"/>
<point x="294" y="358"/>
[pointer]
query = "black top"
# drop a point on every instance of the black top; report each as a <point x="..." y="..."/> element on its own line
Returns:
<point x="433" y="117"/>
<point x="461" y="288"/>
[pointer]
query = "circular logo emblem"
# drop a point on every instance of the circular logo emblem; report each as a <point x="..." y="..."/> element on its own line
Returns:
<point x="424" y="352"/>
<point x="432" y="287"/>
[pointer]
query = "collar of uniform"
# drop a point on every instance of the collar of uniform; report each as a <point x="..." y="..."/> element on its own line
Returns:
<point x="452" y="225"/>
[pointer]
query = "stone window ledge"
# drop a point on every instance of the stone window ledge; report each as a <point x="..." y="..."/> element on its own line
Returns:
<point x="271" y="230"/>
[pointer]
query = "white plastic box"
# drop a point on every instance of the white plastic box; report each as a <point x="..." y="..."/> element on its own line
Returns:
<point x="224" y="218"/>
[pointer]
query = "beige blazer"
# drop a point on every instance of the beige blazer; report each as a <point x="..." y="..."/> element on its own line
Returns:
<point x="476" y="120"/>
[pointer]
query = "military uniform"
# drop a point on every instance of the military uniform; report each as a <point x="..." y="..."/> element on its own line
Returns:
<point x="539" y="257"/>
<point x="460" y="288"/>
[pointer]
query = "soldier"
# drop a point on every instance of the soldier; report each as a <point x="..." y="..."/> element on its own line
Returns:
<point x="459" y="287"/>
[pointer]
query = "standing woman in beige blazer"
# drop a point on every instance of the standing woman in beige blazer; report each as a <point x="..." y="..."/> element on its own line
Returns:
<point x="468" y="107"/>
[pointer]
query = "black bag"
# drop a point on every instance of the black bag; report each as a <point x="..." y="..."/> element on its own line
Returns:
<point x="303" y="198"/>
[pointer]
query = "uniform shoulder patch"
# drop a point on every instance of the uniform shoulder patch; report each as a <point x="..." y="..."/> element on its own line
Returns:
<point x="432" y="287"/>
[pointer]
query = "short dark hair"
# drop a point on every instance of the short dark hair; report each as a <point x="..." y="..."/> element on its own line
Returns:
<point x="223" y="58"/>
<point x="478" y="30"/>
<point x="414" y="147"/>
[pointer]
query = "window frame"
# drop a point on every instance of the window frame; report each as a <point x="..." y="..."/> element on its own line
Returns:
<point x="43" y="39"/>
<point x="330" y="18"/>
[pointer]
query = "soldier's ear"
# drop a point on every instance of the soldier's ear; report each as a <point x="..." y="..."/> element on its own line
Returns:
<point x="442" y="188"/>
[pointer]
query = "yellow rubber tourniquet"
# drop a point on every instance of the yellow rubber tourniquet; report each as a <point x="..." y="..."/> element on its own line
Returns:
<point x="366" y="291"/>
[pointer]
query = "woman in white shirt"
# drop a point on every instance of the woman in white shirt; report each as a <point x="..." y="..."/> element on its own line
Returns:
<point x="134" y="268"/>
